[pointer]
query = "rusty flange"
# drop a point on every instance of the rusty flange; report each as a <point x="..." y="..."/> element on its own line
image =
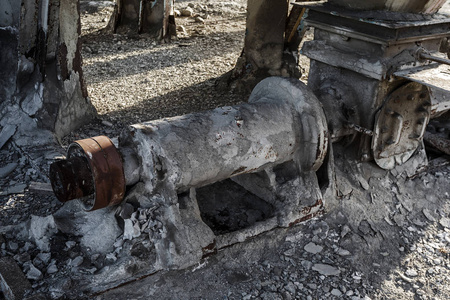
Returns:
<point x="92" y="172"/>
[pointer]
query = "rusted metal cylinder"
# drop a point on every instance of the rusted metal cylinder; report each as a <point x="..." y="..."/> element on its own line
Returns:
<point x="92" y="172"/>
<point x="283" y="121"/>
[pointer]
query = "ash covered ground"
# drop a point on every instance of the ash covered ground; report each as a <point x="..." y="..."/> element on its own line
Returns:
<point x="386" y="235"/>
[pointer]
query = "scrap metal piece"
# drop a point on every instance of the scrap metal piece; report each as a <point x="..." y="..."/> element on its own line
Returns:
<point x="433" y="75"/>
<point x="400" y="125"/>
<point x="93" y="172"/>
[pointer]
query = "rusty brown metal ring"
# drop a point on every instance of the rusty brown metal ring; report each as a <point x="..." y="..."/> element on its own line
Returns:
<point x="106" y="167"/>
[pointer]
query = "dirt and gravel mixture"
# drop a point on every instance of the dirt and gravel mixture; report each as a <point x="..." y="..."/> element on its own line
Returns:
<point x="134" y="78"/>
<point x="344" y="254"/>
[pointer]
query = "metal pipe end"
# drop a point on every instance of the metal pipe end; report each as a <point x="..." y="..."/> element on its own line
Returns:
<point x="71" y="179"/>
<point x="93" y="173"/>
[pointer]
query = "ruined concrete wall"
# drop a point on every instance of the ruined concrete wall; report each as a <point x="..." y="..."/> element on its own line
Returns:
<point x="42" y="83"/>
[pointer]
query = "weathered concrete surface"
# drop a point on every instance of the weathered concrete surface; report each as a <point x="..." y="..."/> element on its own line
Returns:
<point x="98" y="229"/>
<point x="9" y="13"/>
<point x="264" y="44"/>
<point x="41" y="230"/>
<point x="42" y="85"/>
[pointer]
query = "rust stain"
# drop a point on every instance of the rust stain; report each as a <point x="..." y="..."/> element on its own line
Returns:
<point x="63" y="61"/>
<point x="309" y="215"/>
<point x="209" y="250"/>
<point x="240" y="170"/>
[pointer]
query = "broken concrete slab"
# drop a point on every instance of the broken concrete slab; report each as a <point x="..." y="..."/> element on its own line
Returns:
<point x="6" y="133"/>
<point x="326" y="269"/>
<point x="34" y="273"/>
<point x="313" y="248"/>
<point x="13" y="283"/>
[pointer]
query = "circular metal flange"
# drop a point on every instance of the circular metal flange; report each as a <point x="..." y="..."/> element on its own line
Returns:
<point x="71" y="179"/>
<point x="400" y="125"/>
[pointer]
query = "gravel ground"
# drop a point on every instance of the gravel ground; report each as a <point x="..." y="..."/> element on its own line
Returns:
<point x="344" y="254"/>
<point x="133" y="78"/>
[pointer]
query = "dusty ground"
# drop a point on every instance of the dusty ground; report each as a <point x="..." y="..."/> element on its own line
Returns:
<point x="133" y="78"/>
<point x="386" y="240"/>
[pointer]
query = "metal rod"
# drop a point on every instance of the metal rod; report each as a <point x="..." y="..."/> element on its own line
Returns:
<point x="360" y="129"/>
<point x="435" y="58"/>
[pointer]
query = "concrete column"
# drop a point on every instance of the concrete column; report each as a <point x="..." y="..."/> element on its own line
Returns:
<point x="138" y="16"/>
<point x="42" y="78"/>
<point x="264" y="43"/>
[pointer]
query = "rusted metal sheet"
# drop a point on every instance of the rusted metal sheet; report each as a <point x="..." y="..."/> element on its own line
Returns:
<point x="92" y="172"/>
